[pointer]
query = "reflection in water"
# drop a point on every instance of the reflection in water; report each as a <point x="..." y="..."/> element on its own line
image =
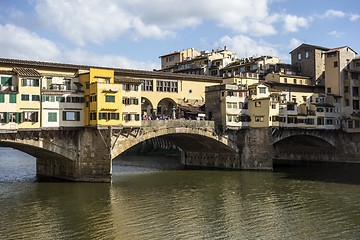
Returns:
<point x="288" y="204"/>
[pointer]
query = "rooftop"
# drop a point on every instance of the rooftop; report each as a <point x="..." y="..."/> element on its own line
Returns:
<point x="118" y="71"/>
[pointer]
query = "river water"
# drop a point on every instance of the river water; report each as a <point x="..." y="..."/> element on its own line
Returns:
<point x="144" y="203"/>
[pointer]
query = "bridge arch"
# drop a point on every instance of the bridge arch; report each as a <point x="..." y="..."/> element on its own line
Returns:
<point x="167" y="107"/>
<point x="191" y="137"/>
<point x="304" y="147"/>
<point x="147" y="108"/>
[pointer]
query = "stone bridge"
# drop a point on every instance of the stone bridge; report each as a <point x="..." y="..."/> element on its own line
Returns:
<point x="86" y="154"/>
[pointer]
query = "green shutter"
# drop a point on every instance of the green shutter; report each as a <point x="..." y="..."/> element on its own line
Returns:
<point x="12" y="98"/>
<point x="117" y="116"/>
<point x="36" y="82"/>
<point x="99" y="116"/>
<point x="6" y="81"/>
<point x="18" y="117"/>
<point x="2" y="98"/>
<point x="6" y="117"/>
<point x="77" y="116"/>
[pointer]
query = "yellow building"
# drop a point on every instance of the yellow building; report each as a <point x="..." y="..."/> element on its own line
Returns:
<point x="102" y="97"/>
<point x="131" y="101"/>
<point x="28" y="98"/>
<point x="9" y="116"/>
<point x="274" y="104"/>
<point x="54" y="95"/>
<point x="169" y="60"/>
<point x="288" y="79"/>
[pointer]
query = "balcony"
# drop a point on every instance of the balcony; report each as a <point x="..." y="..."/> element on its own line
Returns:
<point x="8" y="89"/>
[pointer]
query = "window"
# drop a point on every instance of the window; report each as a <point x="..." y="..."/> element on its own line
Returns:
<point x="6" y="81"/>
<point x="171" y="59"/>
<point x="292" y="120"/>
<point x="30" y="82"/>
<point x="335" y="64"/>
<point x="285" y="80"/>
<point x="310" y="121"/>
<point x="71" y="116"/>
<point x="355" y="76"/>
<point x="87" y="86"/>
<point x="25" y="97"/>
<point x="346" y="89"/>
<point x="6" y="117"/>
<point x="347" y="102"/>
<point x="52" y="117"/>
<point x="166" y="86"/>
<point x="295" y="81"/>
<point x="147" y="85"/>
<point x="356" y="104"/>
<point x="355" y="91"/>
<point x="273" y="106"/>
<point x="329" y="121"/>
<point x="357" y="124"/>
<point x="299" y="56"/>
<point x="329" y="90"/>
<point x="331" y="54"/>
<point x="109" y="98"/>
<point x="290" y="107"/>
<point x="262" y="90"/>
<point x="306" y="54"/>
<point x="320" y="121"/>
<point x="12" y="98"/>
<point x="259" y="118"/>
<point x="2" y="98"/>
<point x="257" y="104"/>
<point x="30" y="116"/>
<point x="35" y="98"/>
<point x="350" y="124"/>
<point x="92" y="116"/>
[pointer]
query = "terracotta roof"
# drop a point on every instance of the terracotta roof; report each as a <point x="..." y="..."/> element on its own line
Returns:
<point x="7" y="72"/>
<point x="127" y="80"/>
<point x="337" y="49"/>
<point x="357" y="58"/>
<point x="305" y="44"/>
<point x="28" y="72"/>
<point x="118" y="71"/>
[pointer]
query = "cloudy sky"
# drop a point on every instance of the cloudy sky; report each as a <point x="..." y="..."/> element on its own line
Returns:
<point x="134" y="33"/>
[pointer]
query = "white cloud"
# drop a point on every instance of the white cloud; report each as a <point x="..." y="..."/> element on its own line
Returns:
<point x="17" y="42"/>
<point x="333" y="13"/>
<point x="247" y="47"/>
<point x="82" y="21"/>
<point x="354" y="17"/>
<point x="294" y="43"/>
<point x="336" y="34"/>
<point x="81" y="56"/>
<point x="20" y="43"/>
<point x="292" y="23"/>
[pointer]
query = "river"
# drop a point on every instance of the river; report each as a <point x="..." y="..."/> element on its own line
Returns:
<point x="164" y="203"/>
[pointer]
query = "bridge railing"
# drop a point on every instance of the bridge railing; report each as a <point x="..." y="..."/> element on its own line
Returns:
<point x="178" y="123"/>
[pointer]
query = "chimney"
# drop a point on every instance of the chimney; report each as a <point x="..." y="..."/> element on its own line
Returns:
<point x="225" y="48"/>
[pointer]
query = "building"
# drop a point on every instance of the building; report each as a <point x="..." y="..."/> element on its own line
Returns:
<point x="288" y="79"/>
<point x="308" y="61"/>
<point x="258" y="67"/>
<point x="342" y="80"/>
<point x="9" y="116"/>
<point x="168" y="61"/>
<point x="274" y="104"/>
<point x="191" y="61"/>
<point x="56" y="95"/>
<point x="227" y="105"/>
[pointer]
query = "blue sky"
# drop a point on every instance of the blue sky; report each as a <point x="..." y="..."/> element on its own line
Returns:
<point x="134" y="33"/>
